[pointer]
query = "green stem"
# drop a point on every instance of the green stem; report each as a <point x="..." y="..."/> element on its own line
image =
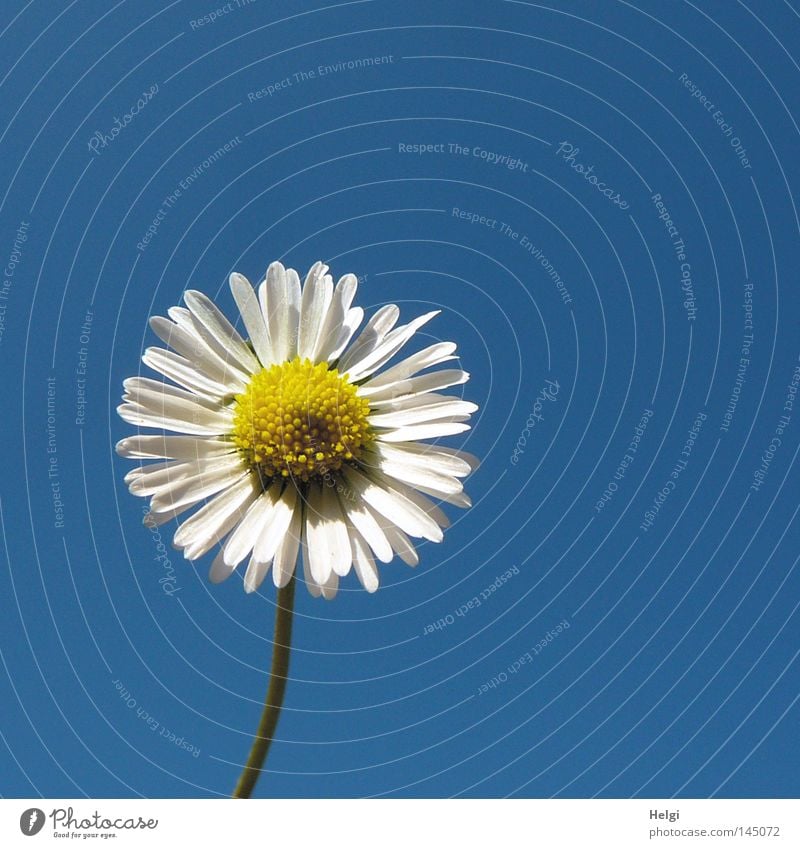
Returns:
<point x="281" y="646"/>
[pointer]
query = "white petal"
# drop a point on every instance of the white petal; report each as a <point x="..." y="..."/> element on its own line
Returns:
<point x="240" y="371"/>
<point x="417" y="498"/>
<point x="426" y="358"/>
<point x="420" y="478"/>
<point x="390" y="345"/>
<point x="460" y="499"/>
<point x="330" y="586"/>
<point x="194" y="348"/>
<point x="402" y="545"/>
<point x="148" y="479"/>
<point x="328" y="540"/>
<point x="295" y="297"/>
<point x="181" y="371"/>
<point x="282" y="292"/>
<point x="255" y="574"/>
<point x="395" y="506"/>
<point x="172" y="447"/>
<point x="141" y="417"/>
<point x="211" y="524"/>
<point x="371" y="336"/>
<point x="416" y="401"/>
<point x="253" y="318"/>
<point x="276" y="527"/>
<point x="360" y="516"/>
<point x="402" y="389"/>
<point x="219" y="571"/>
<point x="317" y="295"/>
<point x="283" y="564"/>
<point x="337" y="532"/>
<point x="243" y="539"/>
<point x="218" y="326"/>
<point x="351" y="323"/>
<point x="182" y="339"/>
<point x="156" y="519"/>
<point x="422" y="414"/>
<point x="331" y="329"/>
<point x="454" y="453"/>
<point x="177" y="404"/>
<point x="311" y="583"/>
<point x="181" y="315"/>
<point x="203" y="485"/>
<point x="160" y="474"/>
<point x="433" y="430"/>
<point x="184" y="318"/>
<point x="364" y="564"/>
<point x="139" y="388"/>
<point x="437" y="457"/>
<point x="456" y="498"/>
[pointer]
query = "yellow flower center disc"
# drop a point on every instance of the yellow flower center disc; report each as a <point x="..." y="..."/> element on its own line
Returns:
<point x="301" y="420"/>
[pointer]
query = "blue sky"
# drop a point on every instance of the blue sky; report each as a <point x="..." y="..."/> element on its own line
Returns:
<point x="600" y="199"/>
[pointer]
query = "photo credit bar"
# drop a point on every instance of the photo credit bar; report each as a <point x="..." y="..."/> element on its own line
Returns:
<point x="469" y="823"/>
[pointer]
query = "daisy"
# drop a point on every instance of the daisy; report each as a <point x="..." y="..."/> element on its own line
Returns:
<point x="298" y="438"/>
<point x="295" y="440"/>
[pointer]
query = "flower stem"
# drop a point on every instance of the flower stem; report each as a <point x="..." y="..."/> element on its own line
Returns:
<point x="281" y="646"/>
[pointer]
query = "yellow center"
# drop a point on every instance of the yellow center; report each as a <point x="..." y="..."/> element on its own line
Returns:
<point x="301" y="420"/>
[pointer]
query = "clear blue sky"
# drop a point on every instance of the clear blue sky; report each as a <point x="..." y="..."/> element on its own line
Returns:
<point x="595" y="189"/>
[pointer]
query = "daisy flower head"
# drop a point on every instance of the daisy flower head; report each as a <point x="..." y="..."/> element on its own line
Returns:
<point x="297" y="440"/>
